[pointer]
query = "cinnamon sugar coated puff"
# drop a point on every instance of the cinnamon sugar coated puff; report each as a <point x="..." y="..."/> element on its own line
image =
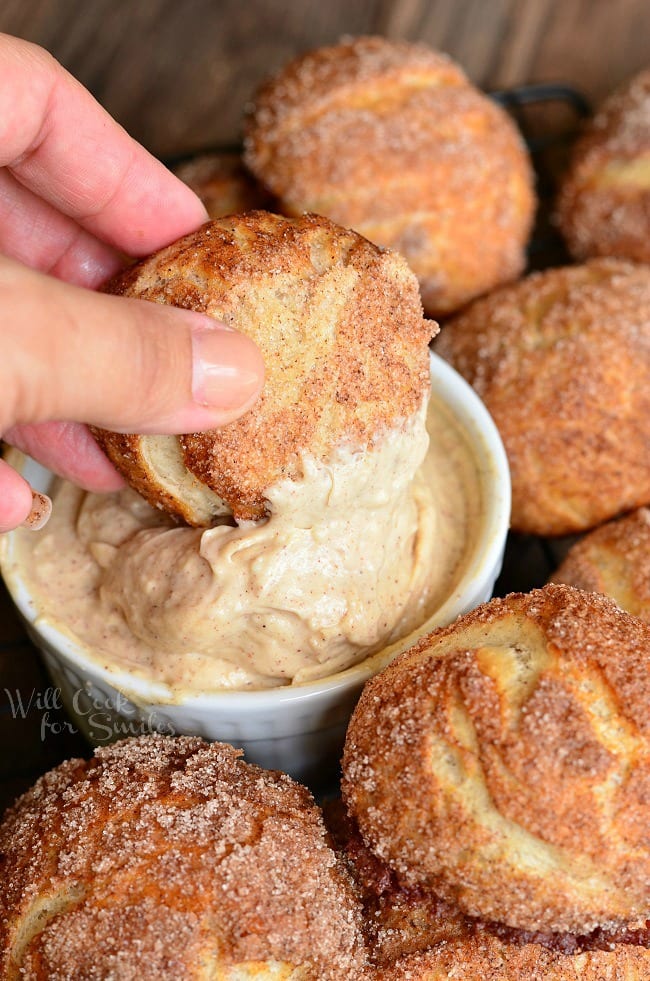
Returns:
<point x="171" y="858"/>
<point x="222" y="183"/>
<point x="503" y="763"/>
<point x="562" y="361"/>
<point x="339" y="323"/>
<point x="614" y="559"/>
<point x="390" y="138"/>
<point x="490" y="959"/>
<point x="413" y="935"/>
<point x="397" y="921"/>
<point x="604" y="203"/>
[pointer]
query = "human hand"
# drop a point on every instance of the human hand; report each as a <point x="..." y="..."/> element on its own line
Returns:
<point x="76" y="195"/>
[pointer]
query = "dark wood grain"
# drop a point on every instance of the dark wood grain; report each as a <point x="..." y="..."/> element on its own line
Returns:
<point x="178" y="75"/>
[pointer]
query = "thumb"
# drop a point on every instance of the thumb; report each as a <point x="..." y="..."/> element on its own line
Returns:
<point x="118" y="363"/>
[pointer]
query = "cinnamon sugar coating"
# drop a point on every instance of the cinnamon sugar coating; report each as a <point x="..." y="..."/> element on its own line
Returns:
<point x="397" y="920"/>
<point x="340" y="326"/>
<point x="503" y="763"/>
<point x="490" y="959"/>
<point x="562" y="361"/>
<point x="614" y="559"/>
<point x="390" y="138"/>
<point x="414" y="935"/>
<point x="172" y="858"/>
<point x="223" y="183"/>
<point x="603" y="207"/>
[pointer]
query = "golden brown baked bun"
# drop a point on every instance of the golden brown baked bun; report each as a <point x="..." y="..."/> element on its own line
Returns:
<point x="339" y="324"/>
<point x="391" y="139"/>
<point x="504" y="763"/>
<point x="562" y="361"/>
<point x="604" y="203"/>
<point x="397" y="920"/>
<point x="223" y="183"/>
<point x="486" y="957"/>
<point x="414" y="935"/>
<point x="171" y="858"/>
<point x="615" y="560"/>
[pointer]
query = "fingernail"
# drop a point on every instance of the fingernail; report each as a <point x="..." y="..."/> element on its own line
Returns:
<point x="40" y="513"/>
<point x="227" y="368"/>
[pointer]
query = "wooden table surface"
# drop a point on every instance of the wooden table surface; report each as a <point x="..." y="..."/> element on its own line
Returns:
<point x="177" y="76"/>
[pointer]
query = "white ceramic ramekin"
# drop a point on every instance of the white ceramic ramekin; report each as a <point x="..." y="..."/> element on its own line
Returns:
<point x="300" y="728"/>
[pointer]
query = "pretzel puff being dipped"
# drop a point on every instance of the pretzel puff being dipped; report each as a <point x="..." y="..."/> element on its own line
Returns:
<point x="503" y="763"/>
<point x="339" y="323"/>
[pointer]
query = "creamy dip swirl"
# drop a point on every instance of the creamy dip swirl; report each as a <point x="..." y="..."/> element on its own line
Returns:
<point x="355" y="555"/>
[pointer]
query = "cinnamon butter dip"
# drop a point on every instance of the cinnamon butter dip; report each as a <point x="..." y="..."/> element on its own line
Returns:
<point x="353" y="556"/>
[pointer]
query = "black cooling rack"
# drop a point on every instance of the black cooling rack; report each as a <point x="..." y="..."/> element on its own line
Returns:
<point x="549" y="116"/>
<point x="522" y="97"/>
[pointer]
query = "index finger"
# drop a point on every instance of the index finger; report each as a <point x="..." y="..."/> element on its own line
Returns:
<point x="60" y="143"/>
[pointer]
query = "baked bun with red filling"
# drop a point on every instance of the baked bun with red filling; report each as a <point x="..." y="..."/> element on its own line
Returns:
<point x="414" y="935"/>
<point x="503" y="763"/>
